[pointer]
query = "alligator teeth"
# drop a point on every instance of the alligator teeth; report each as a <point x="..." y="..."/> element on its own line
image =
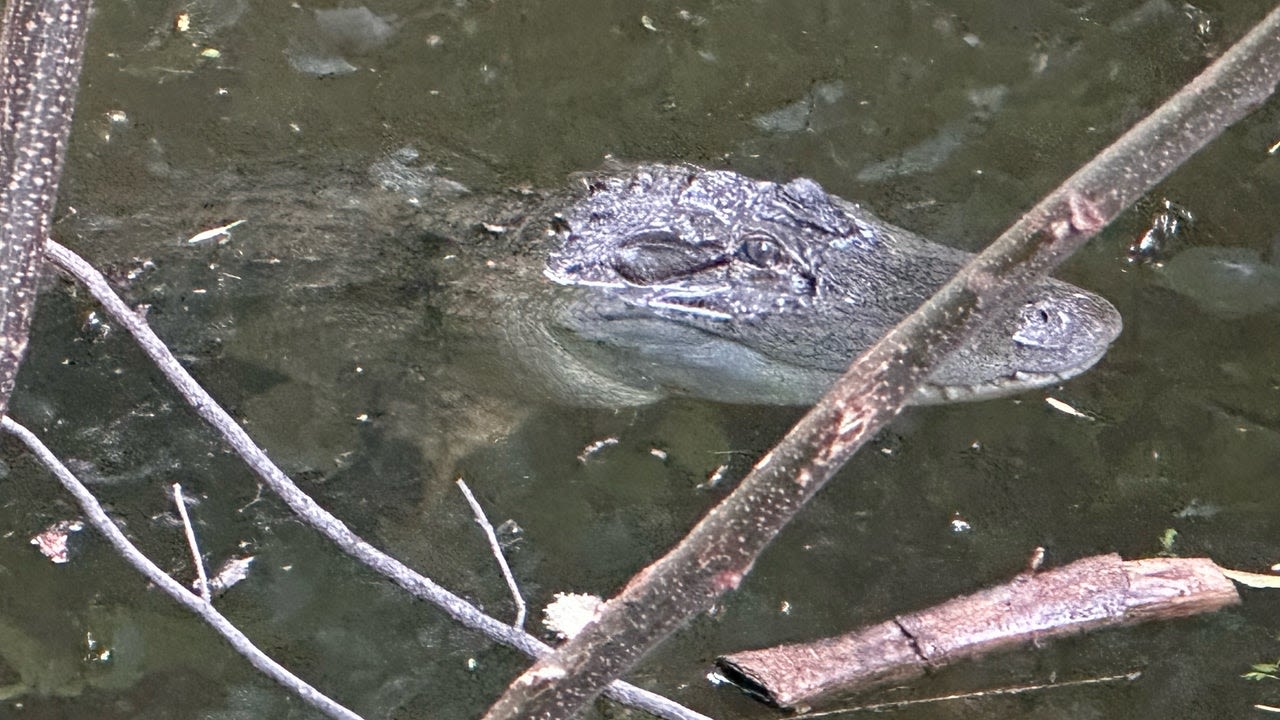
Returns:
<point x="690" y="309"/>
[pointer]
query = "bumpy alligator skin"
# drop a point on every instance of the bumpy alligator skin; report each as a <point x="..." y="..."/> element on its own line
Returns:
<point x="712" y="284"/>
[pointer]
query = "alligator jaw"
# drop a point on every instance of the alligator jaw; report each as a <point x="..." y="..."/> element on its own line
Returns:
<point x="934" y="394"/>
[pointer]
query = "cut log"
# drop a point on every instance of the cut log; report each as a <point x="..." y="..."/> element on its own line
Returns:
<point x="1100" y="591"/>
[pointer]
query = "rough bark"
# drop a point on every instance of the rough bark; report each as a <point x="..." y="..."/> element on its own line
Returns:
<point x="1096" y="592"/>
<point x="41" y="51"/>
<point x="720" y="550"/>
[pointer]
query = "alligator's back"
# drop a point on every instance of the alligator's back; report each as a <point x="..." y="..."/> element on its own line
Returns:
<point x="629" y="285"/>
<point x="392" y="307"/>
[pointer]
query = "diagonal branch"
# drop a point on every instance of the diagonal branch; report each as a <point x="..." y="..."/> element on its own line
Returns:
<point x="721" y="549"/>
<point x="41" y="50"/>
<point x="322" y="520"/>
<point x="200" y="606"/>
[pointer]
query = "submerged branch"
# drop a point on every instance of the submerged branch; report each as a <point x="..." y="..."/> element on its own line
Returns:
<point x="720" y="550"/>
<point x="202" y="579"/>
<point x="306" y="508"/>
<point x="102" y="522"/>
<point x="496" y="548"/>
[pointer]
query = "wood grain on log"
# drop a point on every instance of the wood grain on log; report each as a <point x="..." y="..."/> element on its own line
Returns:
<point x="1100" y="591"/>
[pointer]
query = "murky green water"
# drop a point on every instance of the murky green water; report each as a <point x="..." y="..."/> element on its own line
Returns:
<point x="945" y="117"/>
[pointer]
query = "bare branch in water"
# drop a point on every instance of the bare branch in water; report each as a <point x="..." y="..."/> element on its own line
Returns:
<point x="202" y="580"/>
<point x="501" y="559"/>
<point x="305" y="507"/>
<point x="101" y="522"/>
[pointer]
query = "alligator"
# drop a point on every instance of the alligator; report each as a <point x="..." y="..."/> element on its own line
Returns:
<point x="395" y="293"/>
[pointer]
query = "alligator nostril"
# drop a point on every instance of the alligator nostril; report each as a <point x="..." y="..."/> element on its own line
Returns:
<point x="1042" y="327"/>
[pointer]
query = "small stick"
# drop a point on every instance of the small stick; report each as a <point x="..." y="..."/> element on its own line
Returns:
<point x="202" y="580"/>
<point x="485" y="525"/>
<point x="1015" y="690"/>
<point x="102" y="522"/>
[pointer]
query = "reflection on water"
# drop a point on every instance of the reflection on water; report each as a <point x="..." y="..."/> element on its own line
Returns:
<point x="320" y="326"/>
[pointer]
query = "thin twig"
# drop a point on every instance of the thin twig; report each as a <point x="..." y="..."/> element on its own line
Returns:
<point x="976" y="694"/>
<point x="305" y="507"/>
<point x="485" y="525"/>
<point x="202" y="580"/>
<point x="102" y="523"/>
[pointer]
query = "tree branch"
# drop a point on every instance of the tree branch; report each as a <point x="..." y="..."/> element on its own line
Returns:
<point x="496" y="548"/>
<point x="721" y="549"/>
<point x="99" y="519"/>
<point x="322" y="520"/>
<point x="41" y="50"/>
<point x="202" y="580"/>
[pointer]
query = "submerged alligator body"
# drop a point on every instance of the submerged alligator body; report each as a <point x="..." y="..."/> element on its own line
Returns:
<point x="440" y="317"/>
<point x="712" y="284"/>
<point x="630" y="285"/>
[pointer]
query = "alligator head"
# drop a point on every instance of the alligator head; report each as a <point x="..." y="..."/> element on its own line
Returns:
<point x="711" y="284"/>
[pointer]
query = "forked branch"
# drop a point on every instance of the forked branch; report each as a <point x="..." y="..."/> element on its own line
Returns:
<point x="101" y="522"/>
<point x="306" y="508"/>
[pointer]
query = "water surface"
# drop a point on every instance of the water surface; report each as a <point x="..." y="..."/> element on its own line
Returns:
<point x="948" y="118"/>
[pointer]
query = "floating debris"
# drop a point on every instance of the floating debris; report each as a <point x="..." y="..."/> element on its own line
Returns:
<point x="52" y="542"/>
<point x="231" y="572"/>
<point x="716" y="476"/>
<point x="595" y="447"/>
<point x="568" y="613"/>
<point x="1062" y="407"/>
<point x="222" y="232"/>
<point x="1166" y="225"/>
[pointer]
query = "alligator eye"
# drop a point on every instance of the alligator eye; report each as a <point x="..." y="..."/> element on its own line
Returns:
<point x="760" y="251"/>
<point x="659" y="256"/>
